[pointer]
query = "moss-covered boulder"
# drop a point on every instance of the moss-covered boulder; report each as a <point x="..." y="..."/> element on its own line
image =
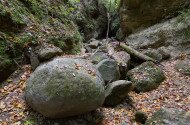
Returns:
<point x="146" y="77"/>
<point x="65" y="87"/>
<point x="138" y="14"/>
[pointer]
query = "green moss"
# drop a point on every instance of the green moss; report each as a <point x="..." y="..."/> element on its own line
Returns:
<point x="31" y="120"/>
<point x="14" y="11"/>
<point x="147" y="77"/>
<point x="5" y="61"/>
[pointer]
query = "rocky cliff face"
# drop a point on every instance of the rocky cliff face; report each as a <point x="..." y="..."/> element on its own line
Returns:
<point x="173" y="34"/>
<point x="138" y="14"/>
<point x="64" y="23"/>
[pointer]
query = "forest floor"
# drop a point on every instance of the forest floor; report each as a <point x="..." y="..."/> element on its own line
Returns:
<point x="172" y="93"/>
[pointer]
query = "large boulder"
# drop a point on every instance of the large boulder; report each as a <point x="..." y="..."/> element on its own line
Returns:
<point x="117" y="91"/>
<point x="109" y="70"/>
<point x="138" y="14"/>
<point x="65" y="87"/>
<point x="146" y="77"/>
<point x="167" y="116"/>
<point x="172" y="34"/>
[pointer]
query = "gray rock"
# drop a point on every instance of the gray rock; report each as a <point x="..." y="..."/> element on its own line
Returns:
<point x="109" y="70"/>
<point x="183" y="67"/>
<point x="88" y="49"/>
<point x="34" y="61"/>
<point x="65" y="87"/>
<point x="146" y="77"/>
<point x="138" y="14"/>
<point x="154" y="54"/>
<point x="164" y="52"/>
<point x="98" y="57"/>
<point x="123" y="59"/>
<point x="117" y="91"/>
<point x="94" y="43"/>
<point x="167" y="116"/>
<point x="172" y="34"/>
<point x="48" y="51"/>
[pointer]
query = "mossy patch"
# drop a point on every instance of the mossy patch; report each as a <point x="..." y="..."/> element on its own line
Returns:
<point x="146" y="77"/>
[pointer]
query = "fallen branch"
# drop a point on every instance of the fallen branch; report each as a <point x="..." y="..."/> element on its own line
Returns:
<point x="135" y="53"/>
<point x="17" y="64"/>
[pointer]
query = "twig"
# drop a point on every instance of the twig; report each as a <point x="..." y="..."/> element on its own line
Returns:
<point x="17" y="64"/>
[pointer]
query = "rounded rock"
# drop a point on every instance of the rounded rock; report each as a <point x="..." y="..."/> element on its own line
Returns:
<point x="65" y="87"/>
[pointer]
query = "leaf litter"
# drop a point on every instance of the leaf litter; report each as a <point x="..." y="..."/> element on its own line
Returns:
<point x="172" y="93"/>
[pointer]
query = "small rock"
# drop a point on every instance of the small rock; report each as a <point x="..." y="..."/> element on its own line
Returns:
<point x="169" y="116"/>
<point x="109" y="70"/>
<point x="98" y="57"/>
<point x="164" y="52"/>
<point x="117" y="91"/>
<point x="88" y="49"/>
<point x="94" y="44"/>
<point x="146" y="77"/>
<point x="141" y="117"/>
<point x="48" y="51"/>
<point x="34" y="61"/>
<point x="183" y="67"/>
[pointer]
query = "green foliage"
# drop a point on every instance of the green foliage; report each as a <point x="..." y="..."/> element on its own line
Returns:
<point x="184" y="15"/>
<point x="183" y="18"/>
<point x="111" y="5"/>
<point x="30" y="121"/>
<point x="48" y="20"/>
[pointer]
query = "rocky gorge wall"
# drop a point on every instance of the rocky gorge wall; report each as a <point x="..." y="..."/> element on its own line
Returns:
<point x="64" y="23"/>
<point x="139" y="14"/>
